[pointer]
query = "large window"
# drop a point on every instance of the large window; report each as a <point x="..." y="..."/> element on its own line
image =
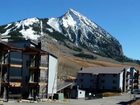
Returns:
<point x="81" y="80"/>
<point x="114" y="81"/>
<point x="103" y="87"/>
<point x="103" y="81"/>
<point x="103" y="75"/>
<point x="114" y="75"/>
<point x="90" y="75"/>
<point x="114" y="87"/>
<point x="81" y="85"/>
<point x="92" y="80"/>
<point x="82" y="74"/>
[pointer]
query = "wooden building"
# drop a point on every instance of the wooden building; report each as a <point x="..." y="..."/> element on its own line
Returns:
<point x="22" y="74"/>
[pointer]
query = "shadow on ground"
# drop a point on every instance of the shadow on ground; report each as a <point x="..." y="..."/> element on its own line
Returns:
<point x="127" y="102"/>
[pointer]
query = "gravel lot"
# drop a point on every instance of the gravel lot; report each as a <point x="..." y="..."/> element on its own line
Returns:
<point x="115" y="100"/>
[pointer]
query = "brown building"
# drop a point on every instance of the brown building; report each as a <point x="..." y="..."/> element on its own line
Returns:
<point x="24" y="70"/>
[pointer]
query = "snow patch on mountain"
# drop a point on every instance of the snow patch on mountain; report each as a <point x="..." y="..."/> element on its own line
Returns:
<point x="29" y="21"/>
<point x="7" y="26"/>
<point x="7" y="32"/>
<point x="78" y="17"/>
<point x="26" y="22"/>
<point x="54" y="23"/>
<point x="29" y="34"/>
<point x="68" y="21"/>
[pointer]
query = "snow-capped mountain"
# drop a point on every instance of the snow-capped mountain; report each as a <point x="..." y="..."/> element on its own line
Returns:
<point x="72" y="27"/>
<point x="23" y="27"/>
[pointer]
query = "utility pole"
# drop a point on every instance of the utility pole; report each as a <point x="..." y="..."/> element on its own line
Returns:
<point x="41" y="28"/>
<point x="1" y="74"/>
<point x="0" y="37"/>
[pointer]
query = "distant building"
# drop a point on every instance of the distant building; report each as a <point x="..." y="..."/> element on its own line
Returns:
<point x="97" y="79"/>
<point x="131" y="79"/>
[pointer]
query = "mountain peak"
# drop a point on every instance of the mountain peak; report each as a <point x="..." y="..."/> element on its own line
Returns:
<point x="73" y="13"/>
<point x="72" y="26"/>
<point x="71" y="9"/>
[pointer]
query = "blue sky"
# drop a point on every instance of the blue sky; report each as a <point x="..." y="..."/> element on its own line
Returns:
<point x="119" y="17"/>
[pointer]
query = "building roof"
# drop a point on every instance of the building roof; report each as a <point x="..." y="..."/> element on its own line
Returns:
<point x="33" y="50"/>
<point x="103" y="70"/>
<point x="4" y="46"/>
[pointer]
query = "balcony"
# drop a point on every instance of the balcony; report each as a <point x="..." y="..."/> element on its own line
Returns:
<point x="15" y="78"/>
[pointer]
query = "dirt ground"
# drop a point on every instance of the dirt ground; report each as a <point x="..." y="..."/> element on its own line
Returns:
<point x="123" y="99"/>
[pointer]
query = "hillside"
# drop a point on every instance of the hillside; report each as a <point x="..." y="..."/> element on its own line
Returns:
<point x="70" y="65"/>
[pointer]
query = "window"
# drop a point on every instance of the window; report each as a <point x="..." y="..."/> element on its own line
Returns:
<point x="103" y="81"/>
<point x="81" y="85"/>
<point x="114" y="75"/>
<point x="103" y="75"/>
<point x="103" y="87"/>
<point x="114" y="87"/>
<point x="92" y="80"/>
<point x="114" y="81"/>
<point x="27" y="63"/>
<point x="90" y="75"/>
<point x="82" y="74"/>
<point x="90" y="86"/>
<point x="81" y="80"/>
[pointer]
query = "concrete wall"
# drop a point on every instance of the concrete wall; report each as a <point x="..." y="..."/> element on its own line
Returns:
<point x="52" y="75"/>
<point x="121" y="81"/>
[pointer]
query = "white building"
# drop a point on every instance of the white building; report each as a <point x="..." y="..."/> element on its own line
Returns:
<point x="132" y="79"/>
<point x="78" y="93"/>
<point x="95" y="79"/>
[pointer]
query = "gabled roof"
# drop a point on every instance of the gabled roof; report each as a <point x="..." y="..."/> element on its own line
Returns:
<point x="103" y="70"/>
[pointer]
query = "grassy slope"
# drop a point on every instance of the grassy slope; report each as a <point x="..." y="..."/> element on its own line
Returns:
<point x="69" y="64"/>
<point x="72" y="64"/>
